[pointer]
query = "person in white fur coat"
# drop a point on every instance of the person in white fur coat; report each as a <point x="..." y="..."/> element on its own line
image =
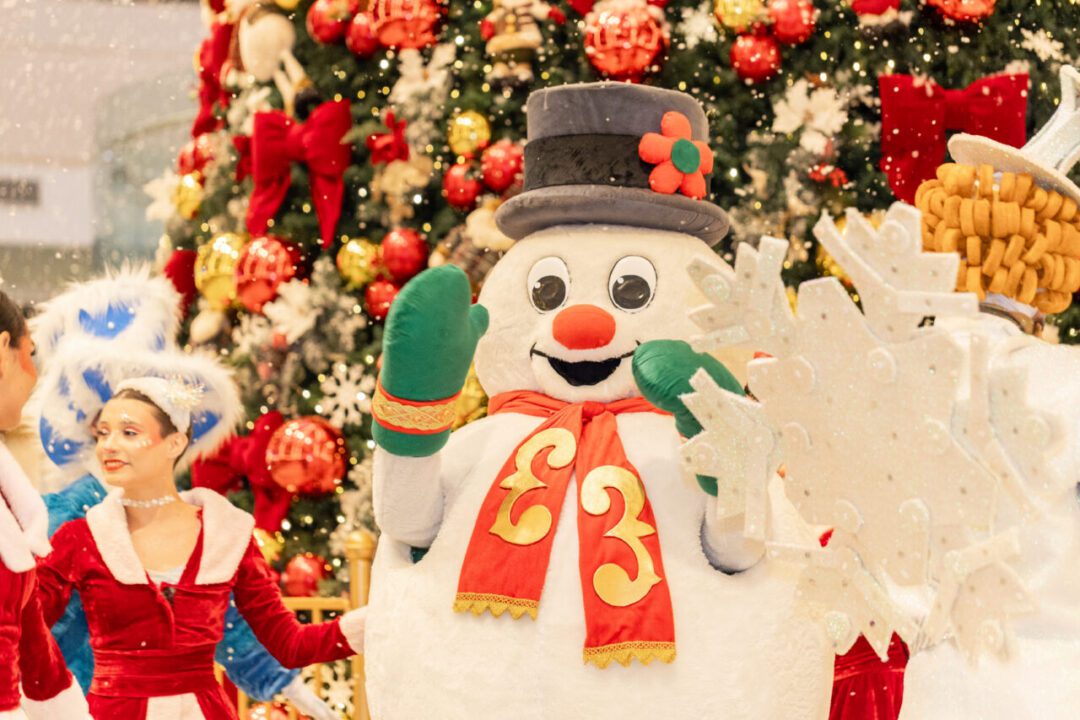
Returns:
<point x="27" y="650"/>
<point x="566" y="506"/>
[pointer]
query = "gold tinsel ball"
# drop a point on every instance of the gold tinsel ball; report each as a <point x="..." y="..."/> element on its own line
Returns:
<point x="358" y="262"/>
<point x="469" y="133"/>
<point x="188" y="195"/>
<point x="738" y="14"/>
<point x="215" y="269"/>
<point x="270" y="544"/>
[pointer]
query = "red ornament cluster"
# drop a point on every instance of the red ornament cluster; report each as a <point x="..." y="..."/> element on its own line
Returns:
<point x="264" y="264"/>
<point x="502" y="167"/>
<point x="397" y="24"/>
<point x="755" y="55"/>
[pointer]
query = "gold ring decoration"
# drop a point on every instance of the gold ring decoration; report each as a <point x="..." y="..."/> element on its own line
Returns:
<point x="1013" y="237"/>
<point x="412" y="417"/>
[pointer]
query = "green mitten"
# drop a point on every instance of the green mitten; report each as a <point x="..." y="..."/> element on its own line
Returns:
<point x="431" y="335"/>
<point x="662" y="370"/>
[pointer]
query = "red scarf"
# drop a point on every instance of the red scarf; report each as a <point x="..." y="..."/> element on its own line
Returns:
<point x="627" y="602"/>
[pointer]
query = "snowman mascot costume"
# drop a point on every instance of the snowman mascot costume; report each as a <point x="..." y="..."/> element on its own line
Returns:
<point x="566" y="506"/>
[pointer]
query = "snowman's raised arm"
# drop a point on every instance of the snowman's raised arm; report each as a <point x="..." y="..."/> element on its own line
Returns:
<point x="431" y="335"/>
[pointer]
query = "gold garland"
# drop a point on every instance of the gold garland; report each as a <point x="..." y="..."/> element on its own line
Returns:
<point x="1014" y="237"/>
<point x="477" y="603"/>
<point x="625" y="653"/>
<point x="403" y="416"/>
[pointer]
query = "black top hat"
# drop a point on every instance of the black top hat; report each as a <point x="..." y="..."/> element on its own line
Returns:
<point x="584" y="162"/>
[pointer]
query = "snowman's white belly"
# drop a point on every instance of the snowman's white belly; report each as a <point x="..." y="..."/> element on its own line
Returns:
<point x="741" y="652"/>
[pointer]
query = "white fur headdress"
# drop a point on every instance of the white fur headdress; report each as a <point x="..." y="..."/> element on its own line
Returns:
<point x="127" y="305"/>
<point x="85" y="373"/>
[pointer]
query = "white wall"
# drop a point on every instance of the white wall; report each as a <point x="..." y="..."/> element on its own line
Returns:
<point x="63" y="63"/>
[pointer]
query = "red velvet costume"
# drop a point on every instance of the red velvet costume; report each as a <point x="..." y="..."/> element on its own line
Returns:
<point x="28" y="652"/>
<point x="154" y="646"/>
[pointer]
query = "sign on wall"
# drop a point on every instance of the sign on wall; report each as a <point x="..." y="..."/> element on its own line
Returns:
<point x="19" y="191"/>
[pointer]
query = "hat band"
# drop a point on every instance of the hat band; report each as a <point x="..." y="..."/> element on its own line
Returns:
<point x="591" y="159"/>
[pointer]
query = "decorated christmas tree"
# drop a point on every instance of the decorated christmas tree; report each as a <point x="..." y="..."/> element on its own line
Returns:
<point x="340" y="149"/>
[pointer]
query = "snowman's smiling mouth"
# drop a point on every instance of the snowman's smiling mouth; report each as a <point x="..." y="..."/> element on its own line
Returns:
<point x="585" y="372"/>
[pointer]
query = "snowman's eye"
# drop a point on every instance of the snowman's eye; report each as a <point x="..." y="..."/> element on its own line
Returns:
<point x="632" y="283"/>
<point x="549" y="280"/>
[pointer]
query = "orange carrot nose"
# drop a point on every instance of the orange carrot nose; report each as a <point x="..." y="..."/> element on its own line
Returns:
<point x="583" y="327"/>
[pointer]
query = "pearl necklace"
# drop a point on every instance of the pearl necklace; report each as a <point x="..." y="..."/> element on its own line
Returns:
<point x="155" y="502"/>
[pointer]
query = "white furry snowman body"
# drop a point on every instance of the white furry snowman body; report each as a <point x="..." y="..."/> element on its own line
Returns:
<point x="742" y="651"/>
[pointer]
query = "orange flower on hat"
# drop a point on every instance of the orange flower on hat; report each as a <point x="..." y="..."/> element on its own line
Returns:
<point x="681" y="163"/>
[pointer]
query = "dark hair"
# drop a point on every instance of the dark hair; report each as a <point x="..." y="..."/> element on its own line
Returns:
<point x="11" y="319"/>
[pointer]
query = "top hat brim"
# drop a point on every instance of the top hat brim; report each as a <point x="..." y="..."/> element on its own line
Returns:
<point x="976" y="150"/>
<point x="535" y="210"/>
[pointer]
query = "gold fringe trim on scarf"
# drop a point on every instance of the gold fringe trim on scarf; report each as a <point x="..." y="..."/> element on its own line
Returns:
<point x="477" y="603"/>
<point x="624" y="653"/>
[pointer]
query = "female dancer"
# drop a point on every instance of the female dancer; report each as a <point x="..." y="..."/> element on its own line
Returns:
<point x="155" y="568"/>
<point x="26" y="647"/>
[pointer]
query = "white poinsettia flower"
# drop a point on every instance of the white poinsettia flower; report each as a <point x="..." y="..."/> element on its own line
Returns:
<point x="161" y="191"/>
<point x="821" y="114"/>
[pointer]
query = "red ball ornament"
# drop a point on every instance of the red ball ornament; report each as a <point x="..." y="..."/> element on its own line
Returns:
<point x="302" y="575"/>
<point x="404" y="253"/>
<point x="194" y="155"/>
<point x="623" y="42"/>
<point x="965" y="10"/>
<point x="307" y="456"/>
<point x="460" y="188"/>
<point x="404" y="24"/>
<point x="264" y="264"/>
<point x="378" y="297"/>
<point x="755" y="57"/>
<point x="360" y="38"/>
<point x="267" y="711"/>
<point x="328" y="20"/>
<point x="502" y="165"/>
<point x="792" y="20"/>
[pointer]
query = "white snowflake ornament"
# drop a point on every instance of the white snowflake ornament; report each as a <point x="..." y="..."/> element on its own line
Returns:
<point x="347" y="395"/>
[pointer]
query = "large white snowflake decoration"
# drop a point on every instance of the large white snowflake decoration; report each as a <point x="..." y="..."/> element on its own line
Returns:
<point x="871" y="415"/>
<point x="347" y="395"/>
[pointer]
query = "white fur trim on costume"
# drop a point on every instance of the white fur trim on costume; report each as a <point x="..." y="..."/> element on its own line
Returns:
<point x="352" y="626"/>
<point x="24" y="520"/>
<point x="69" y="704"/>
<point x="128" y="305"/>
<point x="226" y="534"/>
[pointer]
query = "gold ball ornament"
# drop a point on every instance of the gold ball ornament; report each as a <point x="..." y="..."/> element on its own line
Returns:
<point x="188" y="195"/>
<point x="287" y="5"/>
<point x="270" y="544"/>
<point x="472" y="402"/>
<point x="469" y="133"/>
<point x="738" y="14"/>
<point x="358" y="262"/>
<point x="215" y="269"/>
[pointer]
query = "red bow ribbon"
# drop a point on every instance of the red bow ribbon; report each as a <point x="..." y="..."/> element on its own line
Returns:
<point x="506" y="562"/>
<point x="242" y="143"/>
<point x="212" y="55"/>
<point x="245" y="457"/>
<point x="278" y="141"/>
<point x="387" y="147"/>
<point x="914" y="118"/>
